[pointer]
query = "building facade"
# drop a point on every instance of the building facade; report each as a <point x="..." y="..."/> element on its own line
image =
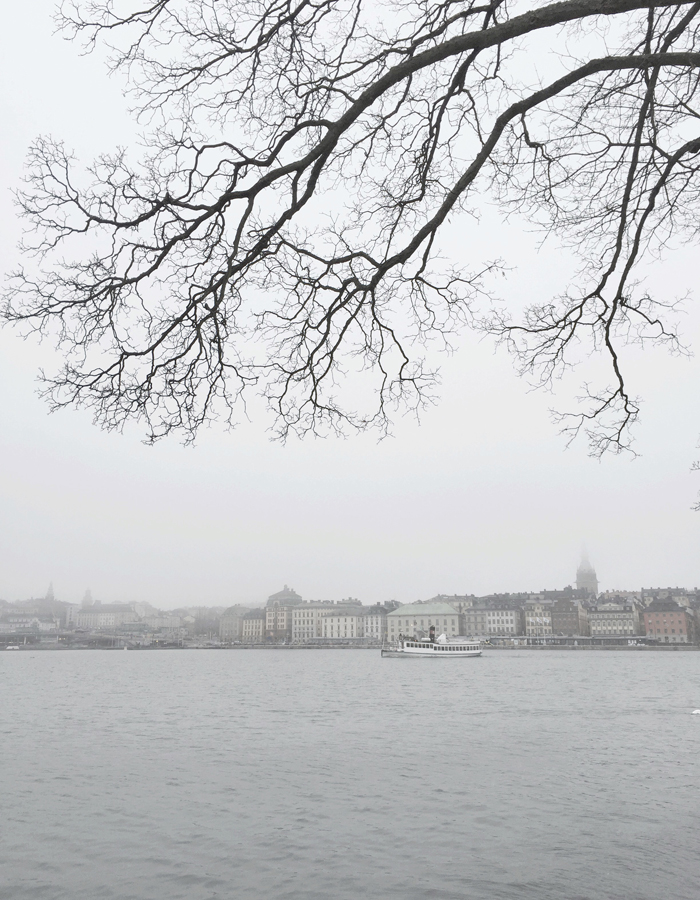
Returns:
<point x="375" y="623"/>
<point x="614" y="620"/>
<point x="538" y="619"/>
<point x="569" y="618"/>
<point x="13" y="622"/>
<point x="95" y="618"/>
<point x="504" y="621"/>
<point x="279" y="614"/>
<point x="231" y="623"/>
<point x="415" y="619"/>
<point x="342" y="624"/>
<point x="253" y="626"/>
<point x="306" y="621"/>
<point x="475" y="619"/>
<point x="670" y="623"/>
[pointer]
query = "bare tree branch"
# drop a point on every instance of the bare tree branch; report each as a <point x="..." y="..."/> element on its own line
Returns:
<point x="285" y="232"/>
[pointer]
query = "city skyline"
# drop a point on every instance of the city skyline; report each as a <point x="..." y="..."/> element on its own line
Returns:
<point x="586" y="579"/>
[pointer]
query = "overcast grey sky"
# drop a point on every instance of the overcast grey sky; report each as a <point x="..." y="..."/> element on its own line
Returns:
<point x="480" y="496"/>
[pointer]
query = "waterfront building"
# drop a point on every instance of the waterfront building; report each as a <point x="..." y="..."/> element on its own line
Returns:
<point x="306" y="620"/>
<point x="375" y="623"/>
<point x="278" y="623"/>
<point x="475" y="618"/>
<point x="231" y="622"/>
<point x="97" y="617"/>
<point x="614" y="619"/>
<point x="568" y="618"/>
<point x="279" y="614"/>
<point x="415" y="619"/>
<point x="670" y="623"/>
<point x="29" y="622"/>
<point x="342" y="624"/>
<point x="253" y="626"/>
<point x="504" y="621"/>
<point x="586" y="578"/>
<point x="538" y="619"/>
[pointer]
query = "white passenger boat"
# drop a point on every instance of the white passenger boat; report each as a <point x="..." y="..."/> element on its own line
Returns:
<point x="442" y="648"/>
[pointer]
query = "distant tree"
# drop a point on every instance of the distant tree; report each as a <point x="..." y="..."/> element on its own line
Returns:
<point x="282" y="231"/>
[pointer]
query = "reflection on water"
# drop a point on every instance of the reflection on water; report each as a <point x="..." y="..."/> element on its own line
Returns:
<point x="318" y="774"/>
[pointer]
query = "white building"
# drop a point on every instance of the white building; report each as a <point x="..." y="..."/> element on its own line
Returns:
<point x="108" y="616"/>
<point x="417" y="618"/>
<point x="538" y="620"/>
<point x="13" y="622"/>
<point x="342" y="624"/>
<point x="306" y="621"/>
<point x="375" y="623"/>
<point x="503" y="621"/>
<point x="614" y="619"/>
<point x="253" y="626"/>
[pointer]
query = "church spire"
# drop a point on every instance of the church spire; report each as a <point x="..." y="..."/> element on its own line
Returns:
<point x="586" y="578"/>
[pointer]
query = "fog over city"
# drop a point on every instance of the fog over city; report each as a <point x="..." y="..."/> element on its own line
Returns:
<point x="480" y="495"/>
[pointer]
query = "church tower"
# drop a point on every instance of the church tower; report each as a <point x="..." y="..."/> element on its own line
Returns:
<point x="586" y="578"/>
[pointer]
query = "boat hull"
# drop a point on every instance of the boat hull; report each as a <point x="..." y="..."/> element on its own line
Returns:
<point x="435" y="651"/>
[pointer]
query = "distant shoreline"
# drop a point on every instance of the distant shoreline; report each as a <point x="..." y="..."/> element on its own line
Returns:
<point x="665" y="648"/>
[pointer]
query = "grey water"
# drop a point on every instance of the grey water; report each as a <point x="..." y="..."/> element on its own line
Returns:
<point x="319" y="774"/>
